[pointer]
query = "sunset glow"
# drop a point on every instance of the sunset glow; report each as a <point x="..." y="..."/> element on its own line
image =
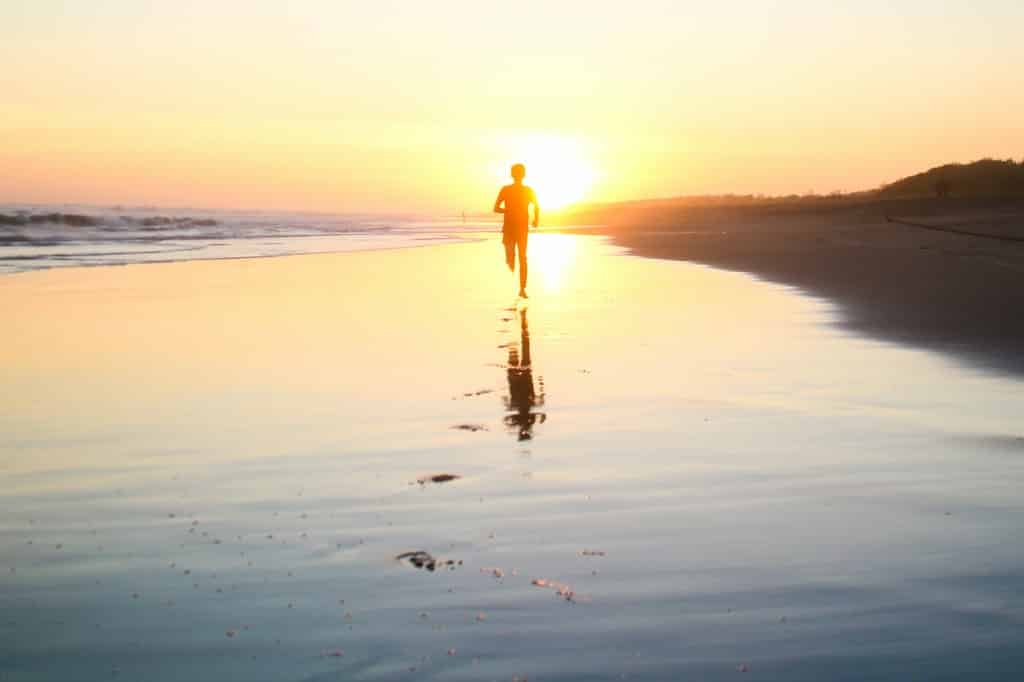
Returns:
<point x="386" y="107"/>
<point x="377" y="340"/>
<point x="557" y="167"/>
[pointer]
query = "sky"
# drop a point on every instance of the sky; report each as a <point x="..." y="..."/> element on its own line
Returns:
<point x="388" y="106"/>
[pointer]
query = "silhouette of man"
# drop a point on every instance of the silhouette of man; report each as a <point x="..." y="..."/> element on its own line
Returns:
<point x="517" y="198"/>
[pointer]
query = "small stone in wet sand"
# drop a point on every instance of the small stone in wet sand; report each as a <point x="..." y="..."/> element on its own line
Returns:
<point x="470" y="427"/>
<point x="437" y="478"/>
<point x="561" y="590"/>
<point x="421" y="559"/>
<point x="474" y="394"/>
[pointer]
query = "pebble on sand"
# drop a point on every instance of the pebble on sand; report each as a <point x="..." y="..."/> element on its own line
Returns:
<point x="562" y="590"/>
<point x="437" y="478"/>
<point x="422" y="559"/>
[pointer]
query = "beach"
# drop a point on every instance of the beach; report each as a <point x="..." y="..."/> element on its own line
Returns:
<point x="381" y="465"/>
<point x="957" y="292"/>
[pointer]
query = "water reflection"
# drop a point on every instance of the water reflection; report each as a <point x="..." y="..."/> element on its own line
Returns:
<point x="522" y="397"/>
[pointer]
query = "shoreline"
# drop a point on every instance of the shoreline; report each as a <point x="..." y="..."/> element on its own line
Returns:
<point x="942" y="291"/>
<point x="956" y="294"/>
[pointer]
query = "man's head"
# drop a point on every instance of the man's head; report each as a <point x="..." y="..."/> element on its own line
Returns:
<point x="518" y="172"/>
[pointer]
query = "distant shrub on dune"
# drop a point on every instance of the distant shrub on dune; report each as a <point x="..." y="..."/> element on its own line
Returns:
<point x="985" y="178"/>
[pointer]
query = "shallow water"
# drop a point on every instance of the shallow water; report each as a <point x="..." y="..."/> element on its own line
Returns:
<point x="34" y="237"/>
<point x="210" y="467"/>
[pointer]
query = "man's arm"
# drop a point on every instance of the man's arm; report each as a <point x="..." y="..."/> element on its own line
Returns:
<point x="498" y="208"/>
<point x="536" y="208"/>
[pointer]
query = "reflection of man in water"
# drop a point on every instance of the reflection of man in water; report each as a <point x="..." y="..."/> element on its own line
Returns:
<point x="517" y="198"/>
<point x="521" y="396"/>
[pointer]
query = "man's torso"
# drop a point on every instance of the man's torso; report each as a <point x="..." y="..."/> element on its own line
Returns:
<point x="517" y="207"/>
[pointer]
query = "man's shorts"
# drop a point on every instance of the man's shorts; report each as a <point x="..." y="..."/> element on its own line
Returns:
<point x="518" y="237"/>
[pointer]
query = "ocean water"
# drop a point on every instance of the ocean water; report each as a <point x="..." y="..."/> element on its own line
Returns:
<point x="211" y="471"/>
<point x="35" y="237"/>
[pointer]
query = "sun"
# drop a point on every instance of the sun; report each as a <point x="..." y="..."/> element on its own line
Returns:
<point x="558" y="167"/>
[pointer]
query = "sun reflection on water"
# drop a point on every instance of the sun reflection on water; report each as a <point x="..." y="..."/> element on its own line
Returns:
<point x="551" y="260"/>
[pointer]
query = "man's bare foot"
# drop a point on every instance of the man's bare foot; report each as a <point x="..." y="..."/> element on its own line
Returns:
<point x="522" y="293"/>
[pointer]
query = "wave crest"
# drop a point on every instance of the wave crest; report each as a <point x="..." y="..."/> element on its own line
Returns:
<point x="83" y="220"/>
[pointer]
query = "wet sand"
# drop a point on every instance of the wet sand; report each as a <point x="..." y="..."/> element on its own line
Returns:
<point x="231" y="470"/>
<point x="955" y="293"/>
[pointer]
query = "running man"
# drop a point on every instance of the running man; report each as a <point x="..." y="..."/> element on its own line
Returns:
<point x="517" y="198"/>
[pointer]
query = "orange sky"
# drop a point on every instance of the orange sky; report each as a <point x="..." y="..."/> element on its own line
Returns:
<point x="395" y="106"/>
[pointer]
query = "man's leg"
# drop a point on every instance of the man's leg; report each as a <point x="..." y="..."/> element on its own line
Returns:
<point x="522" y="260"/>
<point x="510" y="253"/>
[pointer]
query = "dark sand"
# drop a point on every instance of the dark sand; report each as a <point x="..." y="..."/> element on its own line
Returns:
<point x="957" y="294"/>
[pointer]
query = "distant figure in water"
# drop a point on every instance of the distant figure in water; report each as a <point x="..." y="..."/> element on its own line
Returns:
<point x="522" y="397"/>
<point x="514" y="202"/>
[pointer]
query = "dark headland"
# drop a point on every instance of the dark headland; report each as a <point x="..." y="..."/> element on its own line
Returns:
<point x="935" y="260"/>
